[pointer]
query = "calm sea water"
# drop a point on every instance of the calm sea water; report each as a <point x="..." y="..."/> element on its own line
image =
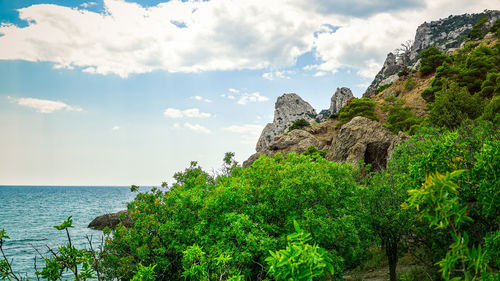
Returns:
<point x="27" y="213"/>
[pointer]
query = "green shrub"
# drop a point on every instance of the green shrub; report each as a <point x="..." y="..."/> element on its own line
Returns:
<point x="357" y="107"/>
<point x="478" y="30"/>
<point x="430" y="59"/>
<point x="453" y="106"/>
<point x="400" y="117"/>
<point x="383" y="87"/>
<point x="410" y="84"/>
<point x="299" y="124"/>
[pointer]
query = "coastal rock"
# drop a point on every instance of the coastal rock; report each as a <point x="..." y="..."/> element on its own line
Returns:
<point x="110" y="220"/>
<point x="362" y="139"/>
<point x="288" y="108"/>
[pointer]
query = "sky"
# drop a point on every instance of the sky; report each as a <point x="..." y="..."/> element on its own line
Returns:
<point x="114" y="92"/>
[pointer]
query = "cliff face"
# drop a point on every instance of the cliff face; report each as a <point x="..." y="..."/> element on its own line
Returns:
<point x="447" y="34"/>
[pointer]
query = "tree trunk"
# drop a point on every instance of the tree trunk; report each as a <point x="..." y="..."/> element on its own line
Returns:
<point x="391" y="250"/>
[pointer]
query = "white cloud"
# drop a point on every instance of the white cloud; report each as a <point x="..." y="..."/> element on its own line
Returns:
<point x="196" y="36"/>
<point x="200" y="98"/>
<point x="278" y="74"/>
<point x="88" y="4"/>
<point x="190" y="113"/>
<point x="254" y="97"/>
<point x="177" y="125"/>
<point x="45" y="106"/>
<point x="115" y="128"/>
<point x="176" y="36"/>
<point x="319" y="74"/>
<point x="234" y="91"/>
<point x="197" y="128"/>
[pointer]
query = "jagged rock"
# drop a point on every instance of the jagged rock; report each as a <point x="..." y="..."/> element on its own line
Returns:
<point x="287" y="109"/>
<point x="341" y="96"/>
<point x="110" y="220"/>
<point x="446" y="34"/>
<point x="389" y="71"/>
<point x="362" y="139"/>
<point x="296" y="140"/>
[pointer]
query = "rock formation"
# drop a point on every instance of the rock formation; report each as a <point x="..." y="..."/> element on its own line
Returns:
<point x="446" y="34"/>
<point x="110" y="220"/>
<point x="341" y="96"/>
<point x="362" y="139"/>
<point x="287" y="109"/>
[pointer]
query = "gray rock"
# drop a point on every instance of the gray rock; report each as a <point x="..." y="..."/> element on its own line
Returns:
<point x="339" y="98"/>
<point x="362" y="139"/>
<point x="390" y="68"/>
<point x="111" y="220"/>
<point x="296" y="140"/>
<point x="287" y="109"/>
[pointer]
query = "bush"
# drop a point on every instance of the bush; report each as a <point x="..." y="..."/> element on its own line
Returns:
<point x="299" y="124"/>
<point x="410" y="84"/>
<point x="358" y="107"/>
<point x="430" y="59"/>
<point x="453" y="106"/>
<point x="400" y="117"/>
<point x="383" y="87"/>
<point x="478" y="30"/>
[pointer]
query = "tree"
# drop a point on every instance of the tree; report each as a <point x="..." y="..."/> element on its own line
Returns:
<point x="403" y="54"/>
<point x="430" y="59"/>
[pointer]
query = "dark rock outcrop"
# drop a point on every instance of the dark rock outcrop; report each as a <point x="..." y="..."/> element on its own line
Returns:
<point x="111" y="220"/>
<point x="362" y="139"/>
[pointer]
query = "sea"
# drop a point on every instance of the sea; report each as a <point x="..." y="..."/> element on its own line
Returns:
<point x="28" y="214"/>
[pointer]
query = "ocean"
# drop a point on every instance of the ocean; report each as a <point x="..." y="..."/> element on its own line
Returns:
<point x="28" y="214"/>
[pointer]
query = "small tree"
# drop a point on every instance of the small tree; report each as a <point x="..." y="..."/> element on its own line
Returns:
<point x="430" y="59"/>
<point x="403" y="54"/>
<point x="299" y="124"/>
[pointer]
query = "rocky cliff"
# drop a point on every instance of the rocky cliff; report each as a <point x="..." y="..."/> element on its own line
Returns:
<point x="447" y="34"/>
<point x="287" y="109"/>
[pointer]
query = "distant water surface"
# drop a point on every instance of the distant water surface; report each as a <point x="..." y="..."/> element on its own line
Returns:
<point x="28" y="214"/>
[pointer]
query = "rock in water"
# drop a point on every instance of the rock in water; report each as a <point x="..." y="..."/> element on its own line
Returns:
<point x="362" y="139"/>
<point x="341" y="96"/>
<point x="287" y="109"/>
<point x="110" y="220"/>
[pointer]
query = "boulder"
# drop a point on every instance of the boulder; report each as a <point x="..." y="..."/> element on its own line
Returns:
<point x="296" y="140"/>
<point x="111" y="220"/>
<point x="362" y="139"/>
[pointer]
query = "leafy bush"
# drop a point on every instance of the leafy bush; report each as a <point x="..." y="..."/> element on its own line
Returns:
<point x="478" y="30"/>
<point x="300" y="261"/>
<point x="245" y="216"/>
<point x="410" y="84"/>
<point x="299" y="124"/>
<point x="383" y="87"/>
<point x="453" y="106"/>
<point x="400" y="117"/>
<point x="430" y="59"/>
<point x="357" y="107"/>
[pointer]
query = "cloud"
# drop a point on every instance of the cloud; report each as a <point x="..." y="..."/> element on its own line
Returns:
<point x="88" y="4"/>
<point x="249" y="132"/>
<point x="197" y="128"/>
<point x="175" y="36"/>
<point x="45" y="106"/>
<point x="190" y="113"/>
<point x="200" y="98"/>
<point x="278" y="74"/>
<point x="254" y="97"/>
<point x="360" y="8"/>
<point x="115" y="128"/>
<point x="234" y="91"/>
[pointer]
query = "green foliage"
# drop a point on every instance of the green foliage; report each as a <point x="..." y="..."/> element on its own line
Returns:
<point x="357" y="107"/>
<point x="383" y="87"/>
<point x="300" y="261"/>
<point x="478" y="30"/>
<point x="492" y="111"/>
<point x="453" y="106"/>
<point x="197" y="267"/>
<point x="430" y="59"/>
<point x="314" y="153"/>
<point x="145" y="273"/>
<point x="400" y="117"/>
<point x="299" y="124"/>
<point x="439" y="203"/>
<point x="410" y="84"/>
<point x="243" y="216"/>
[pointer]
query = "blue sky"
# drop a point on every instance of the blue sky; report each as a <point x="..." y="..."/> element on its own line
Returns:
<point x="119" y="92"/>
